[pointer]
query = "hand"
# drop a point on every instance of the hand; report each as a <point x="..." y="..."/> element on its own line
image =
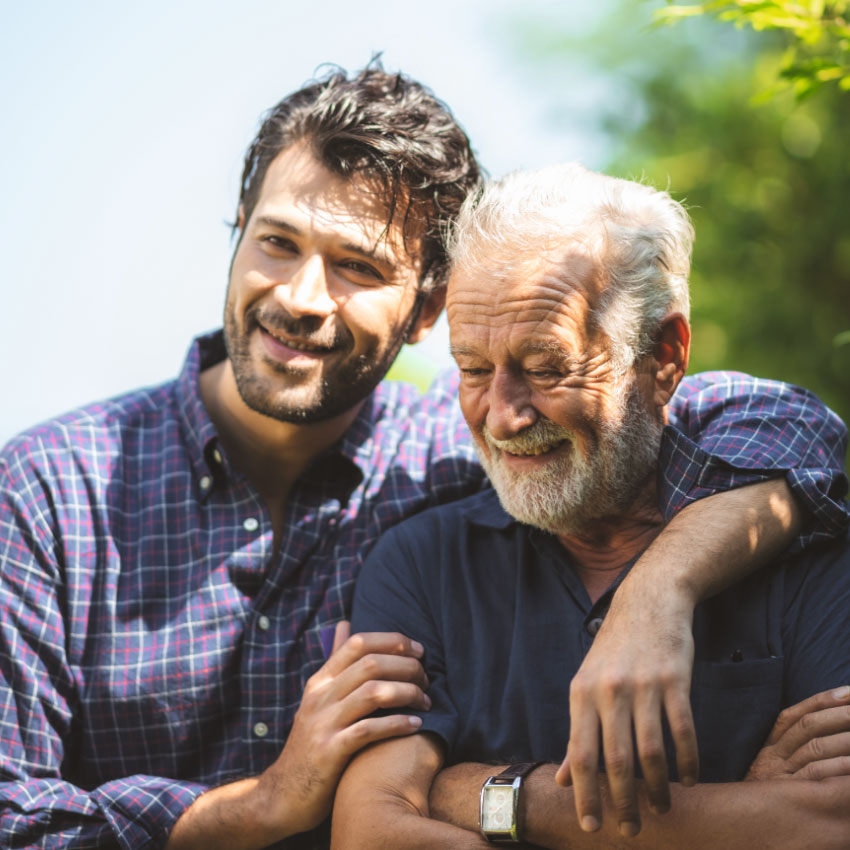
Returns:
<point x="811" y="740"/>
<point x="364" y="673"/>
<point x="639" y="665"/>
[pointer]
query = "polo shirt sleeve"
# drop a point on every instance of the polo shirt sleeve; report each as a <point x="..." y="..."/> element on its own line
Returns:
<point x="730" y="429"/>
<point x="816" y="621"/>
<point x="38" y="807"/>
<point x="396" y="592"/>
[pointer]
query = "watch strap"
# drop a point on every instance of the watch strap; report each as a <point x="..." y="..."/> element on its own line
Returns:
<point x="516" y="771"/>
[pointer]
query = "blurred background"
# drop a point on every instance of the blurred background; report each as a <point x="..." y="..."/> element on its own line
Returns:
<point x="125" y="127"/>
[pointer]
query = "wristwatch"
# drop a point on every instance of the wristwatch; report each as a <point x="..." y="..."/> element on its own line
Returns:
<point x="498" y="813"/>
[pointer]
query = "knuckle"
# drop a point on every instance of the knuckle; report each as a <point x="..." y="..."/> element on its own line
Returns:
<point x="652" y="753"/>
<point x="357" y="643"/>
<point x="681" y="726"/>
<point x="618" y="763"/>
<point x="373" y="691"/>
<point x="582" y="762"/>
<point x="371" y="666"/>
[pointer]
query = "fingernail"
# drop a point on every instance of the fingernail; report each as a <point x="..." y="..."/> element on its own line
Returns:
<point x="427" y="701"/>
<point x="658" y="809"/>
<point x="689" y="781"/>
<point x="841" y="693"/>
<point x="589" y="823"/>
<point x="415" y="721"/>
<point x="417" y="647"/>
<point x="629" y="829"/>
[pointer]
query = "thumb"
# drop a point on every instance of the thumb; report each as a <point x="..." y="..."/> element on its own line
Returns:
<point x="343" y="630"/>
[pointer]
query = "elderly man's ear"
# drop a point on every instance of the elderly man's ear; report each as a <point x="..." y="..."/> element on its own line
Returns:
<point x="670" y="356"/>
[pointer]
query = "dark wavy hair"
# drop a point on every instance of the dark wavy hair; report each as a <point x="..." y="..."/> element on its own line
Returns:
<point x="389" y="129"/>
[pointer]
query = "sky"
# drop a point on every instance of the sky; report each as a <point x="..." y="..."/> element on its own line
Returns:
<point x="124" y="131"/>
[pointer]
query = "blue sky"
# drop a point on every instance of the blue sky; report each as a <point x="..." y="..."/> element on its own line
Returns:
<point x="124" y="129"/>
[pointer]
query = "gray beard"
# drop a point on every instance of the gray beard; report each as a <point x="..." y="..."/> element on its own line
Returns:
<point x="575" y="489"/>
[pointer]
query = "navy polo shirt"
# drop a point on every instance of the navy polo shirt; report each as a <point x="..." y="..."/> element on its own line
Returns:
<point x="506" y="622"/>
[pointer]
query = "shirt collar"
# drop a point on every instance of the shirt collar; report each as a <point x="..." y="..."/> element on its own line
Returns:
<point x="344" y="463"/>
<point x="198" y="429"/>
<point x="486" y="510"/>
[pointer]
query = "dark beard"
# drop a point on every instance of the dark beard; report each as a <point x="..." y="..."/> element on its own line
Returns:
<point x="347" y="385"/>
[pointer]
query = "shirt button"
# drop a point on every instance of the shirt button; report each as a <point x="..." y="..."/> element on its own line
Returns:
<point x="251" y="524"/>
<point x="205" y="482"/>
<point x="261" y="730"/>
<point x="594" y="626"/>
<point x="217" y="456"/>
<point x="263" y="623"/>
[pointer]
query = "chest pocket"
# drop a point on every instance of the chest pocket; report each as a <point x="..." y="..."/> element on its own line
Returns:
<point x="735" y="706"/>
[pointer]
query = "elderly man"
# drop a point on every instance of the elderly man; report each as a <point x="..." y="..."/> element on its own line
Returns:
<point x="568" y="308"/>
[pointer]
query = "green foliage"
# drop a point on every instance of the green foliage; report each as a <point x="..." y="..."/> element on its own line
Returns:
<point x="768" y="187"/>
<point x="817" y="31"/>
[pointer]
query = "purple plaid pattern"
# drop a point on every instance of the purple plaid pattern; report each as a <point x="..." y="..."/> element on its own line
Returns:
<point x="152" y="644"/>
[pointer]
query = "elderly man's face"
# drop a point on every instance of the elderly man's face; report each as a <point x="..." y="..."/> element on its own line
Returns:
<point x="563" y="437"/>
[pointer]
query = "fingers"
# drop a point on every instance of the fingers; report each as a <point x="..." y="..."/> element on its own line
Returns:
<point x="371" y="729"/>
<point x="680" y="718"/>
<point x="812" y="758"/>
<point x="619" y="767"/>
<point x="367" y="672"/>
<point x="793" y="714"/>
<point x="583" y="749"/>
<point x="563" y="775"/>
<point x="650" y="744"/>
<point x="341" y="634"/>
<point x="366" y="643"/>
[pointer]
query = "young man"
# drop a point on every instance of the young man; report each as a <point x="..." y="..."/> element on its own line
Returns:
<point x="175" y="561"/>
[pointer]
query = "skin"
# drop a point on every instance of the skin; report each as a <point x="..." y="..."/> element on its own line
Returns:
<point x="314" y="293"/>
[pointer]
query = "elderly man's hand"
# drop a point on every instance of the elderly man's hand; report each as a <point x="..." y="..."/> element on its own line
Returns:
<point x="638" y="668"/>
<point x="811" y="740"/>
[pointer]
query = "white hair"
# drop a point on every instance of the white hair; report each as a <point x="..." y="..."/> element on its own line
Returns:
<point x="639" y="237"/>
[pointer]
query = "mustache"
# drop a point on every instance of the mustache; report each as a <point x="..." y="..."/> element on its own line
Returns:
<point x="309" y="329"/>
<point x="542" y="434"/>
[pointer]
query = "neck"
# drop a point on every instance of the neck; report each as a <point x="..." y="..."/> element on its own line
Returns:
<point x="604" y="546"/>
<point x="270" y="453"/>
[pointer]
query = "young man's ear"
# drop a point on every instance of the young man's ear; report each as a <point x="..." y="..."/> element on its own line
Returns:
<point x="429" y="311"/>
<point x="670" y="353"/>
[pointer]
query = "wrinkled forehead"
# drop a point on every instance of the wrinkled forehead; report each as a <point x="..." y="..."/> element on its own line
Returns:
<point x="548" y="296"/>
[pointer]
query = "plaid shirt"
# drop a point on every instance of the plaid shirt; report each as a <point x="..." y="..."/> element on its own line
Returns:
<point x="152" y="644"/>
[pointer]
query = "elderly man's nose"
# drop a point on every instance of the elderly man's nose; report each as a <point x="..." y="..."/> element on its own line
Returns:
<point x="510" y="410"/>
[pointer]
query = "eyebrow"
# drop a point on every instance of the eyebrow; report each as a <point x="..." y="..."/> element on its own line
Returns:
<point x="369" y="253"/>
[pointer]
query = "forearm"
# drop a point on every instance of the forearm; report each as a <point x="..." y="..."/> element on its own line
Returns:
<point x="243" y="815"/>
<point x="716" y="541"/>
<point x="781" y="814"/>
<point x="382" y="801"/>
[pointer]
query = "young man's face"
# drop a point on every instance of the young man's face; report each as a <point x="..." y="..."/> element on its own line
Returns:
<point x="320" y="297"/>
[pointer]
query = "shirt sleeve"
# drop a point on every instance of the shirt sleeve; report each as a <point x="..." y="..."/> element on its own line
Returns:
<point x="39" y="806"/>
<point x="729" y="429"/>
<point x="393" y="594"/>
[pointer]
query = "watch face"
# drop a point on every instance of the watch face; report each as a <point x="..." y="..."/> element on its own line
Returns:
<point x="497" y="809"/>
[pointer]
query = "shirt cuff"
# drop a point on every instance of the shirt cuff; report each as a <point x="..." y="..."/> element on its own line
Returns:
<point x="142" y="810"/>
<point x="687" y="473"/>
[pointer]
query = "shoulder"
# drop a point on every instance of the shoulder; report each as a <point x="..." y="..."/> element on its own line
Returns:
<point x="96" y="430"/>
<point x="435" y="542"/>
